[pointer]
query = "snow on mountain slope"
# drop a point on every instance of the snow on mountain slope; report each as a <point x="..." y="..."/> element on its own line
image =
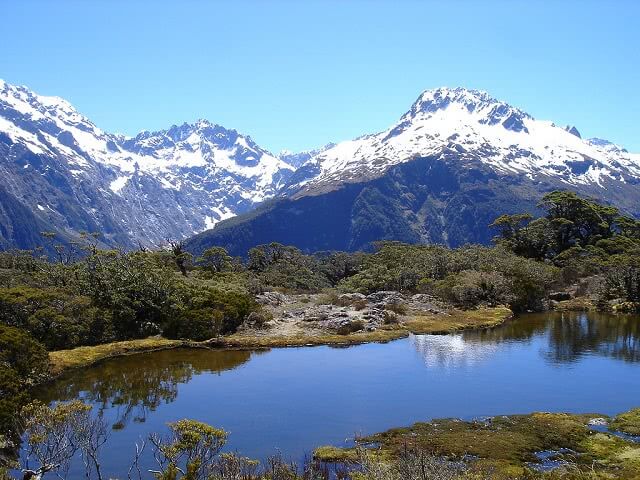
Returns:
<point x="297" y="159"/>
<point x="70" y="176"/>
<point x="476" y="127"/>
<point x="170" y="183"/>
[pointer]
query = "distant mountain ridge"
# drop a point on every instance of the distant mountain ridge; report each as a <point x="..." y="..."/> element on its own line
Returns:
<point x="439" y="174"/>
<point x="455" y="161"/>
<point x="71" y="176"/>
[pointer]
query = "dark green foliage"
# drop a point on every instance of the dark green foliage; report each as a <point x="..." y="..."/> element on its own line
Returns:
<point x="23" y="354"/>
<point x="109" y="295"/>
<point x="468" y="276"/>
<point x="207" y="312"/>
<point x="571" y="223"/>
<point x="580" y="221"/>
<point x="23" y="362"/>
<point x="623" y="282"/>
<point x="583" y="238"/>
<point x="286" y="267"/>
<point x="55" y="316"/>
<point x="216" y="260"/>
<point x="337" y="266"/>
<point x="136" y="288"/>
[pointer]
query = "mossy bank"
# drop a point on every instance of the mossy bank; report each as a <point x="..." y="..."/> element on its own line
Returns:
<point x="508" y="447"/>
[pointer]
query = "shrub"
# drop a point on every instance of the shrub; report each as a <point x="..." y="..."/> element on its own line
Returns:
<point x="207" y="312"/>
<point x="622" y="282"/>
<point x="54" y="316"/>
<point x="23" y="363"/>
<point x="200" y="324"/>
<point x="399" y="308"/>
<point x="471" y="288"/>
<point x="351" y="327"/>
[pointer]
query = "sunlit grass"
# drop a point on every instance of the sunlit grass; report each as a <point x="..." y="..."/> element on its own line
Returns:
<point x="83" y="356"/>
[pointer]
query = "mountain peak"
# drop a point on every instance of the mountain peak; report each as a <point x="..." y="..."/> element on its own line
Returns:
<point x="485" y="108"/>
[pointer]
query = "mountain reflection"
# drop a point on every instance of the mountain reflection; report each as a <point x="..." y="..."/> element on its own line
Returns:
<point x="564" y="337"/>
<point x="451" y="351"/>
<point x="133" y="386"/>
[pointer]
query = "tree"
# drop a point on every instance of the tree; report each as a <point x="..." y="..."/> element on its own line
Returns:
<point x="215" y="259"/>
<point x="589" y="221"/>
<point x="525" y="236"/>
<point x="54" y="435"/>
<point x="188" y="452"/>
<point x="181" y="257"/>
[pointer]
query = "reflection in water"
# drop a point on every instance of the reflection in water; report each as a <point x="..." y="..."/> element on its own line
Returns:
<point x="135" y="385"/>
<point x="570" y="336"/>
<point x="296" y="399"/>
<point x="451" y="351"/>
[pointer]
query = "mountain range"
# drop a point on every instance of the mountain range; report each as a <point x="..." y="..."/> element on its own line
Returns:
<point x="453" y="162"/>
<point x="63" y="174"/>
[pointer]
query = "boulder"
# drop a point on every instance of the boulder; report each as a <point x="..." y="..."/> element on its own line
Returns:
<point x="351" y="297"/>
<point x="271" y="298"/>
<point x="385" y="297"/>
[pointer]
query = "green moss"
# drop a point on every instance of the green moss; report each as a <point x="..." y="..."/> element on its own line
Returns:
<point x="628" y="422"/>
<point x="612" y="455"/>
<point x="513" y="439"/>
<point x="422" y="323"/>
<point x="329" y="453"/>
<point x="503" y="445"/>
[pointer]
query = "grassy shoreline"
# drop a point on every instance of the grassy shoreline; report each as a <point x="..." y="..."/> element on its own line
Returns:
<point x="506" y="446"/>
<point x="64" y="360"/>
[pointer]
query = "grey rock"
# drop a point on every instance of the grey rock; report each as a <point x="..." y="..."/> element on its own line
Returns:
<point x="271" y="298"/>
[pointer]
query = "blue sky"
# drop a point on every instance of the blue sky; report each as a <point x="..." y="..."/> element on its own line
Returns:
<point x="298" y="74"/>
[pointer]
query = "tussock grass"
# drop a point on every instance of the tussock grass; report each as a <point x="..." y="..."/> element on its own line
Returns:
<point x="332" y="454"/>
<point x="458" y="320"/>
<point x="62" y="360"/>
<point x="628" y="422"/>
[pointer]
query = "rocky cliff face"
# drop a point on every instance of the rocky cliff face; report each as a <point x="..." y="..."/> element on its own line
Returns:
<point x="440" y="174"/>
<point x="455" y="161"/>
<point x="64" y="174"/>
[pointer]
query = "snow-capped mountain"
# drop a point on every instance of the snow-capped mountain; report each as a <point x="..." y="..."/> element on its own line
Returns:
<point x="72" y="176"/>
<point x="441" y="174"/>
<point x="474" y="126"/>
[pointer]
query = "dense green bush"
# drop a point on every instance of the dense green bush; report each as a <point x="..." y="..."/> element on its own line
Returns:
<point x="206" y="312"/>
<point x="286" y="267"/>
<point x="56" y="317"/>
<point x="471" y="288"/>
<point x="572" y="224"/>
<point x="468" y="276"/>
<point x="622" y="282"/>
<point x="23" y="362"/>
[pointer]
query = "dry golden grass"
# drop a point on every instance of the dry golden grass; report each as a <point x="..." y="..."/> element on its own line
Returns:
<point x="579" y="304"/>
<point x="62" y="360"/>
<point x="458" y="320"/>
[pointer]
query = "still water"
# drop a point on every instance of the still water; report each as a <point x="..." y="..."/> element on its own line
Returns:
<point x="291" y="400"/>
